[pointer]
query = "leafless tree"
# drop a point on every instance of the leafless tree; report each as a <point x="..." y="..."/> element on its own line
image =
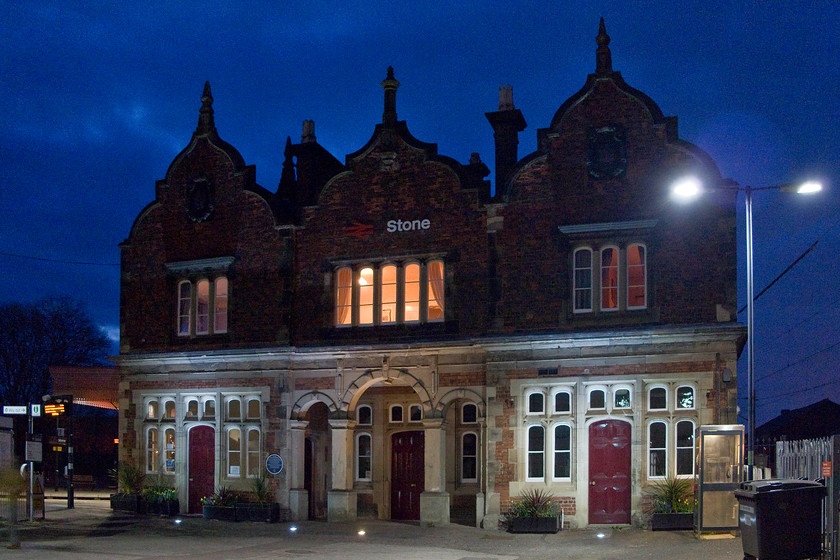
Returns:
<point x="54" y="331"/>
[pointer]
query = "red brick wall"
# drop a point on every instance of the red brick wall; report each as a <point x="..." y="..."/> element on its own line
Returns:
<point x="242" y="226"/>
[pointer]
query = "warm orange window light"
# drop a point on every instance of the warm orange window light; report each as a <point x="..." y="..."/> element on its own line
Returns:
<point x="636" y="277"/>
<point x="389" y="294"/>
<point x="436" y="298"/>
<point x="344" y="297"/>
<point x="366" y="296"/>
<point x="609" y="278"/>
<point x="412" y="292"/>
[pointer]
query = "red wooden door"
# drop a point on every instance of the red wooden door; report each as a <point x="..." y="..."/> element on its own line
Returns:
<point x="609" y="472"/>
<point x="202" y="465"/>
<point x="407" y="474"/>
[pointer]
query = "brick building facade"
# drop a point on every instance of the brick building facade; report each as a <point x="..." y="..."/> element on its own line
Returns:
<point x="414" y="345"/>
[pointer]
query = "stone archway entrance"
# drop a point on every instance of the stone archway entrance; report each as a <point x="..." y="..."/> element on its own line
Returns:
<point x="317" y="472"/>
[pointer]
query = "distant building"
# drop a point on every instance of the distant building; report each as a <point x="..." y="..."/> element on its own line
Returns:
<point x="416" y="346"/>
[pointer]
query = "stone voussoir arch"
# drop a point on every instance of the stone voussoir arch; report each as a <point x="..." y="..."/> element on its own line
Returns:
<point x="446" y="400"/>
<point x="390" y="376"/>
<point x="307" y="400"/>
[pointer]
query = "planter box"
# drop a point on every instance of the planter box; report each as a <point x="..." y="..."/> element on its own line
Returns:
<point x="672" y="522"/>
<point x="222" y="513"/>
<point x="132" y="503"/>
<point x="534" y="524"/>
<point x="168" y="509"/>
<point x="269" y="513"/>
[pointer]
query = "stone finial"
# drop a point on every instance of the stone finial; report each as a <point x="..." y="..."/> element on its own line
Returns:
<point x="475" y="159"/>
<point x="308" y="134"/>
<point x="603" y="56"/>
<point x="390" y="85"/>
<point x="206" y="123"/>
<point x="506" y="98"/>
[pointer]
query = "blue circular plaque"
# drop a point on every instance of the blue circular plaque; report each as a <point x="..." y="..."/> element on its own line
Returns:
<point x="274" y="463"/>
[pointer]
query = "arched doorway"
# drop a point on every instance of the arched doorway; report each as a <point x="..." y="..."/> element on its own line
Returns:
<point x="318" y="461"/>
<point x="202" y="465"/>
<point x="609" y="472"/>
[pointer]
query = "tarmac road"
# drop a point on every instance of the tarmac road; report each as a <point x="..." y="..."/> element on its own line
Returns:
<point x="92" y="530"/>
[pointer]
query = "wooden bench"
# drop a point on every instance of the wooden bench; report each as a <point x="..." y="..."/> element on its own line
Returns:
<point x="83" y="481"/>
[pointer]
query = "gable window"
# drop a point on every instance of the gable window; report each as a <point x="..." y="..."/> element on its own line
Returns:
<point x="536" y="452"/>
<point x="469" y="457"/>
<point x="612" y="276"/>
<point x="562" y="452"/>
<point x="658" y="399"/>
<point x="609" y="279"/>
<point x="636" y="277"/>
<point x="657" y="449"/>
<point x="202" y="306"/>
<point x="387" y="294"/>
<point x="583" y="280"/>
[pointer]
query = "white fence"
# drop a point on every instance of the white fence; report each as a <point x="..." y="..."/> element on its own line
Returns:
<point x="813" y="459"/>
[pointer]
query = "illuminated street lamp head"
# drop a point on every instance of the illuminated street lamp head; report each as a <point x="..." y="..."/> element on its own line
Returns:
<point x="809" y="187"/>
<point x="687" y="188"/>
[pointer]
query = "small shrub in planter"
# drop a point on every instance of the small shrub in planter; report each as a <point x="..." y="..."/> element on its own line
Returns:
<point x="673" y="504"/>
<point x="533" y="512"/>
<point x="260" y="506"/>
<point x="161" y="498"/>
<point x="130" y="479"/>
<point x="220" y="505"/>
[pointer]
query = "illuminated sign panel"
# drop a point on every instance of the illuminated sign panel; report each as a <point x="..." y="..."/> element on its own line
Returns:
<point x="53" y="409"/>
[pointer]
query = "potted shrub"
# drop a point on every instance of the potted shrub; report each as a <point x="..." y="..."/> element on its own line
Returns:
<point x="533" y="512"/>
<point x="161" y="498"/>
<point x="260" y="505"/>
<point x="221" y="504"/>
<point x="673" y="504"/>
<point x="130" y="479"/>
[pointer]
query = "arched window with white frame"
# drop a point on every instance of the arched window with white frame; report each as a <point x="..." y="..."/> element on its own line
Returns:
<point x="657" y="398"/>
<point x="469" y="413"/>
<point x="234" y="453"/>
<point x="563" y="402"/>
<point x="152" y="450"/>
<point x="582" y="280"/>
<point x="234" y="409"/>
<point x="169" y="451"/>
<point x="364" y="415"/>
<point x="209" y="412"/>
<point x="609" y="279"/>
<point x="562" y="452"/>
<point x="622" y="398"/>
<point x="253" y="411"/>
<point x="469" y="457"/>
<point x="657" y="449"/>
<point x="685" y="447"/>
<point x="536" y="453"/>
<point x="253" y="452"/>
<point x="536" y="402"/>
<point x="152" y="410"/>
<point x="363" y="457"/>
<point x="636" y="277"/>
<point x="684" y="397"/>
<point x="597" y="398"/>
<point x="192" y="409"/>
<point x="169" y="409"/>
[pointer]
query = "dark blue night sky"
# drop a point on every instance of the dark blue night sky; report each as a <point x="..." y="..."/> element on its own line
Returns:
<point x="98" y="97"/>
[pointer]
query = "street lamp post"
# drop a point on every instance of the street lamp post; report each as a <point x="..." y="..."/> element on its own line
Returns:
<point x="691" y="187"/>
